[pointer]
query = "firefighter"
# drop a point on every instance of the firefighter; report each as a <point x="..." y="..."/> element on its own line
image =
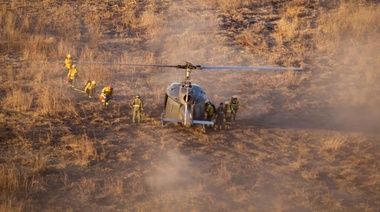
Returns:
<point x="228" y="111"/>
<point x="106" y="95"/>
<point x="219" y="123"/>
<point x="235" y="104"/>
<point x="68" y="62"/>
<point x="138" y="107"/>
<point x="90" y="88"/>
<point x="209" y="111"/>
<point x="71" y="75"/>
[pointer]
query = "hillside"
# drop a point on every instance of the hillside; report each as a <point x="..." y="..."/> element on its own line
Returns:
<point x="303" y="141"/>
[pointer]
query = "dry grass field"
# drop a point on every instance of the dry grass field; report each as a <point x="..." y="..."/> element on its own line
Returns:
<point x="303" y="141"/>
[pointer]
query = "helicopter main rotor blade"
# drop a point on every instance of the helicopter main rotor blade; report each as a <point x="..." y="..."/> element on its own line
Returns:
<point x="191" y="66"/>
<point x="250" y="67"/>
<point x="127" y="64"/>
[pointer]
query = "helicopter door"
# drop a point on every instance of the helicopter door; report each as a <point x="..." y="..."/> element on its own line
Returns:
<point x="199" y="111"/>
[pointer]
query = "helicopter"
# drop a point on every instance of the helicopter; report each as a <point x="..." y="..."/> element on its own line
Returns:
<point x="184" y="101"/>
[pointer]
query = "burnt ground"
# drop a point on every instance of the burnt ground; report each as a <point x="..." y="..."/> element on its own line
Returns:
<point x="292" y="148"/>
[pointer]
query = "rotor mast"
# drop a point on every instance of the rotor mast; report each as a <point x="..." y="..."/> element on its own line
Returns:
<point x="187" y="78"/>
<point x="188" y="66"/>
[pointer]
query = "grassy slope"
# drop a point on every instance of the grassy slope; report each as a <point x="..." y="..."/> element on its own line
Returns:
<point x="294" y="148"/>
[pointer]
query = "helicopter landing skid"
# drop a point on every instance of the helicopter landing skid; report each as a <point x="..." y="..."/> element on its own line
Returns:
<point x="166" y="120"/>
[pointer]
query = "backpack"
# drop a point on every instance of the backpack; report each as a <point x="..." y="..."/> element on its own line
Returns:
<point x="213" y="106"/>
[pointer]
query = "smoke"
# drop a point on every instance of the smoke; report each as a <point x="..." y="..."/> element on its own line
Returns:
<point x="189" y="32"/>
<point x="184" y="34"/>
<point x="172" y="171"/>
<point x="351" y="87"/>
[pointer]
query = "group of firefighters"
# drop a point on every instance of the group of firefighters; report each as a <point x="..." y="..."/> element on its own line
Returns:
<point x="225" y="113"/>
<point x="107" y="92"/>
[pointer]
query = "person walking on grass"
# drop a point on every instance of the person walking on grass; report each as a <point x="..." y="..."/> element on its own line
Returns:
<point x="90" y="88"/>
<point x="68" y="63"/>
<point x="71" y="75"/>
<point x="106" y="95"/>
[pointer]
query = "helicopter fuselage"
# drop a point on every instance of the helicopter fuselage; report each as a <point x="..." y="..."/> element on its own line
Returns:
<point x="185" y="103"/>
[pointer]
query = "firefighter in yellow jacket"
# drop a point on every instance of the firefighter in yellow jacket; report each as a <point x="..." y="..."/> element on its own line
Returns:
<point x="90" y="88"/>
<point x="210" y="111"/>
<point x="68" y="62"/>
<point x="106" y="95"/>
<point x="71" y="75"/>
<point x="229" y="112"/>
<point x="235" y="104"/>
<point x="138" y="107"/>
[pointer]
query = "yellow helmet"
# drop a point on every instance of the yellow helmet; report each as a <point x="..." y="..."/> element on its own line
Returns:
<point x="73" y="66"/>
<point x="234" y="97"/>
<point x="93" y="82"/>
<point x="68" y="55"/>
<point x="227" y="103"/>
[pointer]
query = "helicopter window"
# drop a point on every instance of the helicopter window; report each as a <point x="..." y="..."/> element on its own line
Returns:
<point x="172" y="86"/>
<point x="187" y="97"/>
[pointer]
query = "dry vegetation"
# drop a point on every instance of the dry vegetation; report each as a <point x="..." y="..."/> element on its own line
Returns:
<point x="304" y="141"/>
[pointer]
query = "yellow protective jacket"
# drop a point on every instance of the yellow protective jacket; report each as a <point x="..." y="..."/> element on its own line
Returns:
<point x="210" y="110"/>
<point x="235" y="104"/>
<point x="68" y="63"/>
<point x="73" y="72"/>
<point x="90" y="85"/>
<point x="108" y="92"/>
<point x="137" y="104"/>
<point x="229" y="111"/>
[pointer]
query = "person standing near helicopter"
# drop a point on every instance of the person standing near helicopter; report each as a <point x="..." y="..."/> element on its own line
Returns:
<point x="235" y="104"/>
<point x="229" y="112"/>
<point x="209" y="110"/>
<point x="219" y="123"/>
<point x="138" y="107"/>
